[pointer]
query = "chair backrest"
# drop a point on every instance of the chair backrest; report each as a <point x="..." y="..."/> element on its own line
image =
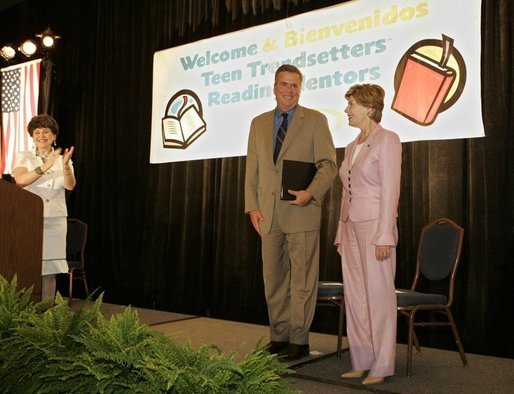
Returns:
<point x="76" y="238"/>
<point x="439" y="252"/>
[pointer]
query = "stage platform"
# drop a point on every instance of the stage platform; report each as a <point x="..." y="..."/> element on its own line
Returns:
<point x="434" y="371"/>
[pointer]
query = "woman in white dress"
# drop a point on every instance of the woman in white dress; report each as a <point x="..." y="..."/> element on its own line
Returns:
<point x="47" y="173"/>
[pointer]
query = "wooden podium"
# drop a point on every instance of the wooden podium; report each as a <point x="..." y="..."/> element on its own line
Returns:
<point x="21" y="236"/>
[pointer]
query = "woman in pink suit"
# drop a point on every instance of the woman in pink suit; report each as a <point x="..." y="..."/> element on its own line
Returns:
<point x="367" y="235"/>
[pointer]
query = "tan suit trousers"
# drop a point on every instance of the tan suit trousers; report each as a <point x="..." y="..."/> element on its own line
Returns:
<point x="291" y="271"/>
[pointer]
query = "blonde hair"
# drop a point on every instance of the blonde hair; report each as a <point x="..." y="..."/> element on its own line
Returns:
<point x="370" y="96"/>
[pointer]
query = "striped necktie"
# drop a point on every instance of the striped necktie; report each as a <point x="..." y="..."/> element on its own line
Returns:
<point x="281" y="135"/>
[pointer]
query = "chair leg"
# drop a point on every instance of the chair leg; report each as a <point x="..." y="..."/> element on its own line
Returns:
<point x="85" y="282"/>
<point x="340" y="329"/>
<point x="416" y="342"/>
<point x="457" y="337"/>
<point x="70" y="287"/>
<point x="410" y="340"/>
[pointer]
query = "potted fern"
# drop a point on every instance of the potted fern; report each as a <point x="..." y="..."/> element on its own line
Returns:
<point x="48" y="348"/>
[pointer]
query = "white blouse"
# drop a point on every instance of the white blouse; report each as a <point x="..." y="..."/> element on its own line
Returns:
<point x="50" y="186"/>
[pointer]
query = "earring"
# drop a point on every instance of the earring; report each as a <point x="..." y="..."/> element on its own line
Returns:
<point x="55" y="143"/>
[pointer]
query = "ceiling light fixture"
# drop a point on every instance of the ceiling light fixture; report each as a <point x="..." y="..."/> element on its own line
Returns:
<point x="28" y="48"/>
<point x="48" y="38"/>
<point x="8" y="52"/>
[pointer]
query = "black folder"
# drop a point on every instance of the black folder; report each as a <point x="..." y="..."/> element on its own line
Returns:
<point x="296" y="175"/>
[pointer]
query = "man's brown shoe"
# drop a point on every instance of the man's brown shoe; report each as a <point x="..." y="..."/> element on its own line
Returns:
<point x="294" y="352"/>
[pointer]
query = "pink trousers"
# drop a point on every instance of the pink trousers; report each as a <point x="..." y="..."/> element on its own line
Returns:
<point x="370" y="300"/>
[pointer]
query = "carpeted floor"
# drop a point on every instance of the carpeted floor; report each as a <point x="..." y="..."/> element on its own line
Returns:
<point x="434" y="371"/>
<point x="147" y="316"/>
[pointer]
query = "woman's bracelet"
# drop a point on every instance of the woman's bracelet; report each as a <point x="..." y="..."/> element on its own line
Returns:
<point x="39" y="171"/>
<point x="67" y="170"/>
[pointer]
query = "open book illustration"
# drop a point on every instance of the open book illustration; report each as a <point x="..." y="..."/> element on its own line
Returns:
<point x="424" y="85"/>
<point x="180" y="129"/>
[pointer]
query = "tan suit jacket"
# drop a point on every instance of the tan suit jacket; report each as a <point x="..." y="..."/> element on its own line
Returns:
<point x="308" y="139"/>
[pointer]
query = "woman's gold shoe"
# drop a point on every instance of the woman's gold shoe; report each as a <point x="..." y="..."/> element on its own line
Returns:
<point x="372" y="380"/>
<point x="352" y="374"/>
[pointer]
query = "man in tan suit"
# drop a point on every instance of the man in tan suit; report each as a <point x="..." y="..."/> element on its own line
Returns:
<point x="289" y="229"/>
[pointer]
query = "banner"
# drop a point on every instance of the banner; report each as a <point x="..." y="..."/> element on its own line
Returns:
<point x="425" y="54"/>
<point x="20" y="92"/>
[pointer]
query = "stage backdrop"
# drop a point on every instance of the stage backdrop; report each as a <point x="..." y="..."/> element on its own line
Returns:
<point x="426" y="55"/>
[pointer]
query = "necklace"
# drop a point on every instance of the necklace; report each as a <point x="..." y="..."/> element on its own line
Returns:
<point x="43" y="156"/>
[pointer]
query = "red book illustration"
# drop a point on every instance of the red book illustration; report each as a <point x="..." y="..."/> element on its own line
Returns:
<point x="424" y="86"/>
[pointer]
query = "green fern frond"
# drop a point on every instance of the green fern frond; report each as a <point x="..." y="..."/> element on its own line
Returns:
<point x="49" y="348"/>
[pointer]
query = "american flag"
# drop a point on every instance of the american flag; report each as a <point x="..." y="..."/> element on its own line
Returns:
<point x="20" y="92"/>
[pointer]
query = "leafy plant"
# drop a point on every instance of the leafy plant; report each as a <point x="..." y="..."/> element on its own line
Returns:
<point x="52" y="349"/>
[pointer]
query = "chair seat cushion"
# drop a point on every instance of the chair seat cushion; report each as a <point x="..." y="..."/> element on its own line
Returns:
<point x="330" y="289"/>
<point x="407" y="297"/>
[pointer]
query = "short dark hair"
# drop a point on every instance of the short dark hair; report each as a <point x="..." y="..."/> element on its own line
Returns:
<point x="370" y="96"/>
<point x="43" y="121"/>
<point x="288" y="68"/>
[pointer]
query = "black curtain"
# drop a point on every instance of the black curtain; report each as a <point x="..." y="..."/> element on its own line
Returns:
<point x="174" y="236"/>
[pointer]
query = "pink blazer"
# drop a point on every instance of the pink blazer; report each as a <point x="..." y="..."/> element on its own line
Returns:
<point x="371" y="186"/>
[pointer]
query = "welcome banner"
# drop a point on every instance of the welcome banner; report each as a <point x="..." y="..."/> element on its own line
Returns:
<point x="425" y="54"/>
